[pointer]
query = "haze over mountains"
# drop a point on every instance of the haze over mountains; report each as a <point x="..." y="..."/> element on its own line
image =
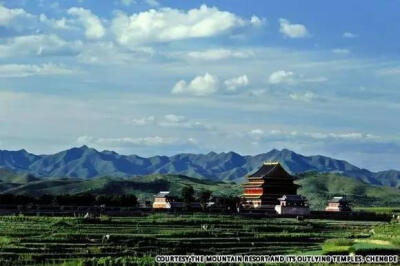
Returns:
<point x="88" y="163"/>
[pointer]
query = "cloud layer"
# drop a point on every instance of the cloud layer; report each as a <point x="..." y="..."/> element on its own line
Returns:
<point x="147" y="76"/>
<point x="93" y="26"/>
<point x="292" y="30"/>
<point x="207" y="84"/>
<point x="168" y="24"/>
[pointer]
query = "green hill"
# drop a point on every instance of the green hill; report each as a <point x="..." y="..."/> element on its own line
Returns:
<point x="10" y="179"/>
<point x="141" y="186"/>
<point x="319" y="188"/>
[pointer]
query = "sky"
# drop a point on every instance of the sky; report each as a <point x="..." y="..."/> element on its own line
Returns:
<point x="152" y="77"/>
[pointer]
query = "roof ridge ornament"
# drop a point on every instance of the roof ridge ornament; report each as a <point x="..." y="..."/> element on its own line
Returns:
<point x="271" y="163"/>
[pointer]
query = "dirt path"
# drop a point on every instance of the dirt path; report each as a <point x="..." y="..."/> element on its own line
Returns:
<point x="373" y="241"/>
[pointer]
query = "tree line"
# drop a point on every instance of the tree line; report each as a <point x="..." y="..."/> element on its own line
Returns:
<point x="84" y="199"/>
<point x="187" y="195"/>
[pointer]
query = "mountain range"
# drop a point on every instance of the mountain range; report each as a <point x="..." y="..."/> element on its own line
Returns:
<point x="88" y="163"/>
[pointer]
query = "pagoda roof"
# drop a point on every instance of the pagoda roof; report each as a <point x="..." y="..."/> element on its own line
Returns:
<point x="270" y="169"/>
<point x="338" y="200"/>
<point x="162" y="194"/>
<point x="249" y="185"/>
<point x="291" y="198"/>
<point x="252" y="196"/>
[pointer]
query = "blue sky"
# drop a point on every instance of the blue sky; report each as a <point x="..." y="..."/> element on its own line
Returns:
<point x="153" y="77"/>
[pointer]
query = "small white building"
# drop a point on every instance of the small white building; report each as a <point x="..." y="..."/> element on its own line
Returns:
<point x="161" y="200"/>
<point x="338" y="204"/>
<point x="292" y="205"/>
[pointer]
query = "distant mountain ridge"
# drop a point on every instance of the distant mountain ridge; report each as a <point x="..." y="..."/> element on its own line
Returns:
<point x="87" y="163"/>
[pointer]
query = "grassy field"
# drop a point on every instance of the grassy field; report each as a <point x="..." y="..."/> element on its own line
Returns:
<point x="319" y="188"/>
<point x="384" y="210"/>
<point x="73" y="241"/>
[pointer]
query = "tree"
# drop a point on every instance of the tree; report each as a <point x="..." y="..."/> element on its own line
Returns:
<point x="46" y="199"/>
<point x="129" y="200"/>
<point x="187" y="194"/>
<point x="204" y="197"/>
<point x="7" y="199"/>
<point x="229" y="203"/>
<point x="23" y="199"/>
<point x="101" y="200"/>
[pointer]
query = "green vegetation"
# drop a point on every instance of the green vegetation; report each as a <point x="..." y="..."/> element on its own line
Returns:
<point x="383" y="210"/>
<point x="75" y="241"/>
<point x="319" y="188"/>
<point x="384" y="239"/>
<point x="85" y="199"/>
<point x="144" y="187"/>
<point x="188" y="194"/>
<point x="337" y="246"/>
<point x="390" y="232"/>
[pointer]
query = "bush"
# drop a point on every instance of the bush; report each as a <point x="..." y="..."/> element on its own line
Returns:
<point x="369" y="249"/>
<point x="340" y="246"/>
<point x="115" y="261"/>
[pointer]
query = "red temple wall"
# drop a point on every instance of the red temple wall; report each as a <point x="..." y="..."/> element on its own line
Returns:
<point x="253" y="191"/>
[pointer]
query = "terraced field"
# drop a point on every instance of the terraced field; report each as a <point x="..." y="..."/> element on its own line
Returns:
<point x="73" y="241"/>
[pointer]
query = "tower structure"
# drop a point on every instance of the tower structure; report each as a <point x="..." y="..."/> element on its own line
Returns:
<point x="264" y="187"/>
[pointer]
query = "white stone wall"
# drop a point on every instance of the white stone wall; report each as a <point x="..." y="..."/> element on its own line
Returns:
<point x="284" y="210"/>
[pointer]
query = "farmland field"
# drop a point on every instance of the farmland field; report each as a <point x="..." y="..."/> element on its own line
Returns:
<point x="75" y="241"/>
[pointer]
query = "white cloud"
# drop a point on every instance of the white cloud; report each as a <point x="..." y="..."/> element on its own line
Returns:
<point x="84" y="140"/>
<point x="180" y="121"/>
<point x="256" y="133"/>
<point x="93" y="27"/>
<point x="349" y="35"/>
<point x="144" y="141"/>
<point x="333" y="135"/>
<point x="61" y="23"/>
<point x="128" y="141"/>
<point x="8" y="16"/>
<point x="256" y="21"/>
<point x="199" y="86"/>
<point x="170" y="120"/>
<point x="341" y="51"/>
<point x="153" y="3"/>
<point x="257" y="92"/>
<point x="209" y="84"/>
<point x="314" y="80"/>
<point x="168" y="24"/>
<point x="107" y="53"/>
<point x="304" y="97"/>
<point x="174" y="118"/>
<point x="259" y="134"/>
<point x="143" y="121"/>
<point x="292" y="30"/>
<point x="127" y="2"/>
<point x="40" y="45"/>
<point x="281" y="76"/>
<point x="19" y="70"/>
<point x="219" y="54"/>
<point x="395" y="71"/>
<point x="234" y="83"/>
<point x="290" y="78"/>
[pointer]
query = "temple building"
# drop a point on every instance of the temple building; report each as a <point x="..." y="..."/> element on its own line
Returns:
<point x="338" y="204"/>
<point x="292" y="205"/>
<point x="162" y="201"/>
<point x="264" y="188"/>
